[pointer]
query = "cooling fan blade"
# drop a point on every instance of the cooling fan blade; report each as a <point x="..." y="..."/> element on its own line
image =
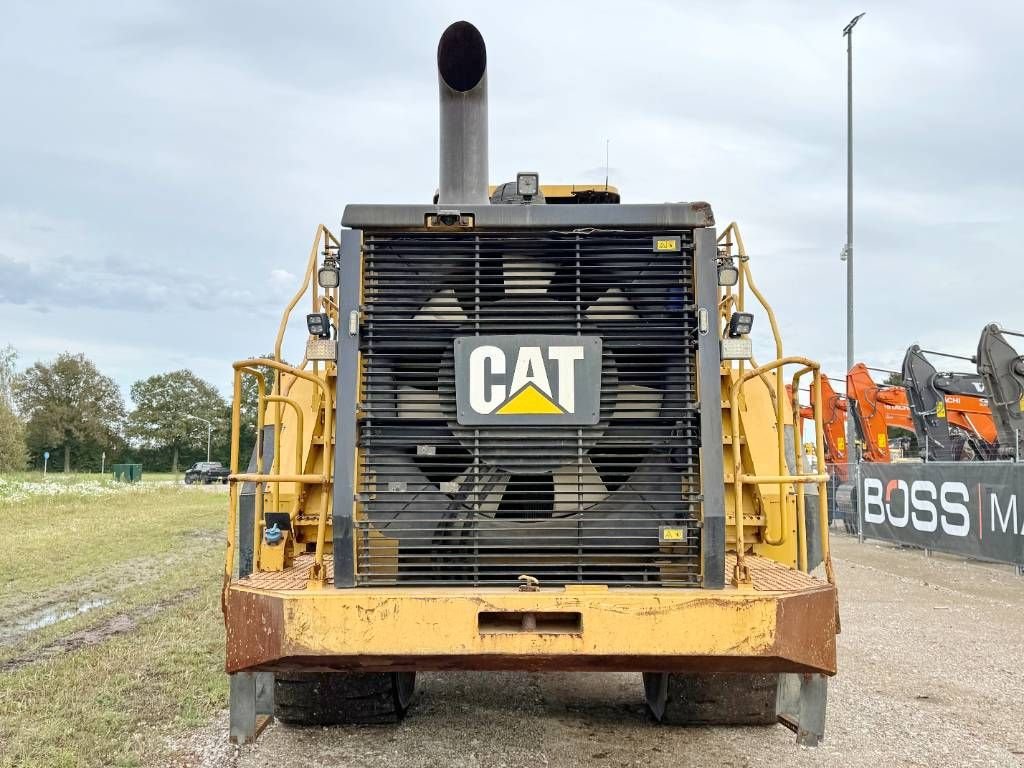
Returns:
<point x="443" y="306"/>
<point x="414" y="403"/>
<point x="415" y="378"/>
<point x="578" y="486"/>
<point x="637" y="402"/>
<point x="523" y="275"/>
<point x="479" y="491"/>
<point x="611" y="306"/>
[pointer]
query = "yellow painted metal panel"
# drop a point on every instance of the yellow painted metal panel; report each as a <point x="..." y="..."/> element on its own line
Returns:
<point x="437" y="624"/>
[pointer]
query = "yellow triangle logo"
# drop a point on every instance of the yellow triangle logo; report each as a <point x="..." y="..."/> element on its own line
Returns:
<point x="529" y="401"/>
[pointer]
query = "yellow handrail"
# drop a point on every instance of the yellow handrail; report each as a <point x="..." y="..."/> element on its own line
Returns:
<point x="746" y="278"/>
<point x="274" y="477"/>
<point x="299" y="439"/>
<point x="236" y="410"/>
<point x="323" y="239"/>
<point x="741" y="574"/>
<point x="322" y="235"/>
<point x="819" y="455"/>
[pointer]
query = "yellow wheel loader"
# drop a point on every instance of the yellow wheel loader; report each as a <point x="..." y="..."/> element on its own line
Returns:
<point x="528" y="433"/>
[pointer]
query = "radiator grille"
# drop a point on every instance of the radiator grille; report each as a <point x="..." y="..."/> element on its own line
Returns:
<point x="442" y="503"/>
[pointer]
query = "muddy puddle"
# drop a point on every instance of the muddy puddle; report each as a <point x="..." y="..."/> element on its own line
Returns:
<point x="119" y="624"/>
<point x="47" y="617"/>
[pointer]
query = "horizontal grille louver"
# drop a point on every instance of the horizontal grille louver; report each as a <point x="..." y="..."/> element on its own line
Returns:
<point x="443" y="503"/>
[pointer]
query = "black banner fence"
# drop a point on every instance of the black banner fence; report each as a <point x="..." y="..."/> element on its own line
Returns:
<point x="972" y="509"/>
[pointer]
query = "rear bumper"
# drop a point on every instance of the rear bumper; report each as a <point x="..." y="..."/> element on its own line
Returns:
<point x="788" y="628"/>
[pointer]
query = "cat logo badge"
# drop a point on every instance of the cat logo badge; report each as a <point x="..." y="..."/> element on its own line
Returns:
<point x="528" y="379"/>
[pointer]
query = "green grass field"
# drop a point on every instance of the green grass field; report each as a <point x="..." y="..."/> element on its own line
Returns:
<point x="111" y="639"/>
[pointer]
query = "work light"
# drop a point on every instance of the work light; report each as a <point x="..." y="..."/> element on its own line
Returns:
<point x="319" y="325"/>
<point x="527" y="184"/>
<point x="740" y="324"/>
<point x="328" y="275"/>
<point x="728" y="273"/>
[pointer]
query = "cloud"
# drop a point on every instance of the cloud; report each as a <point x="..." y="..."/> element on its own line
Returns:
<point x="282" y="278"/>
<point x="165" y="170"/>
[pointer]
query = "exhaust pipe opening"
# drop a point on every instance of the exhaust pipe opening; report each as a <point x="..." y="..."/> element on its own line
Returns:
<point x="461" y="56"/>
<point x="462" y="85"/>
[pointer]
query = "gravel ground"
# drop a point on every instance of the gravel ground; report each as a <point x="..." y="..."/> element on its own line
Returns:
<point x="930" y="675"/>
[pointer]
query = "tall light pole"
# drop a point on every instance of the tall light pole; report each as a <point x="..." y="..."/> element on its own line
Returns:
<point x="851" y="434"/>
<point x="209" y="431"/>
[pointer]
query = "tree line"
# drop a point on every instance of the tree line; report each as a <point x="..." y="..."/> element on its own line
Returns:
<point x="69" y="408"/>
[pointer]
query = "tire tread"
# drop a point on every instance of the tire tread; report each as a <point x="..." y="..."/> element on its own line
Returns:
<point x="341" y="698"/>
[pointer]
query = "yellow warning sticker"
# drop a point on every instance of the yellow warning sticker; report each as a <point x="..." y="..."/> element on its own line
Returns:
<point x="881" y="442"/>
<point x="673" y="534"/>
<point x="940" y="409"/>
<point x="841" y="444"/>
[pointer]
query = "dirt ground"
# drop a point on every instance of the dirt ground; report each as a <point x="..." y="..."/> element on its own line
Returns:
<point x="930" y="675"/>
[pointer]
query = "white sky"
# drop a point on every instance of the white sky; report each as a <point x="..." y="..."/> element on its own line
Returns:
<point x="164" y="165"/>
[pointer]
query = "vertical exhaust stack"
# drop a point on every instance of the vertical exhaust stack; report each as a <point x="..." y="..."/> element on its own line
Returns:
<point x="462" y="80"/>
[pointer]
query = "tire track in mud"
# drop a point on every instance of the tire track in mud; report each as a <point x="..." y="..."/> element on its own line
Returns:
<point x="119" y="624"/>
<point x="27" y="613"/>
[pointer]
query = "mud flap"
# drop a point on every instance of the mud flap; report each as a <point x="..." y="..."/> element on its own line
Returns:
<point x="801" y="706"/>
<point x="250" y="705"/>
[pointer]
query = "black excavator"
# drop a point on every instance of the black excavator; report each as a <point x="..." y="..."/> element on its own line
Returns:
<point x="950" y="410"/>
<point x="1002" y="369"/>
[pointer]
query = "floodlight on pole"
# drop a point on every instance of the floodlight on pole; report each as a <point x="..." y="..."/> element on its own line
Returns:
<point x="847" y="253"/>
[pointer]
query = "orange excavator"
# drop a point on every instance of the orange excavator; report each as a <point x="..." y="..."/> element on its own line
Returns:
<point x="876" y="409"/>
<point x="951" y="411"/>
<point x="833" y="416"/>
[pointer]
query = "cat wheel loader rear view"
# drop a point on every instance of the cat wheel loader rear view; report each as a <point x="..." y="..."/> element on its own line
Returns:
<point x="528" y="433"/>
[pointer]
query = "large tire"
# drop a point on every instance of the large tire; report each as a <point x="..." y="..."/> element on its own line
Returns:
<point x="342" y="698"/>
<point x="713" y="698"/>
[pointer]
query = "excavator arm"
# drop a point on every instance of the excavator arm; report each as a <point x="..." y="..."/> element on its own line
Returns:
<point x="950" y="410"/>
<point x="833" y="418"/>
<point x="876" y="409"/>
<point x="833" y="422"/>
<point x="1002" y="370"/>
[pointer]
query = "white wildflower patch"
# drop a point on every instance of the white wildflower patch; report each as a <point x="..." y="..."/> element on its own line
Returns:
<point x="16" y="491"/>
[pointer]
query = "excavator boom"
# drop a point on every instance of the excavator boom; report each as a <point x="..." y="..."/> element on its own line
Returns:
<point x="833" y="418"/>
<point x="950" y="410"/>
<point x="1002" y="370"/>
<point x="876" y="409"/>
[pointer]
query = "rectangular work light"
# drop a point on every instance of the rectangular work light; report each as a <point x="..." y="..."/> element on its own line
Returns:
<point x="740" y="324"/>
<point x="328" y="276"/>
<point x="728" y="273"/>
<point x="319" y="325"/>
<point x="527" y="184"/>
